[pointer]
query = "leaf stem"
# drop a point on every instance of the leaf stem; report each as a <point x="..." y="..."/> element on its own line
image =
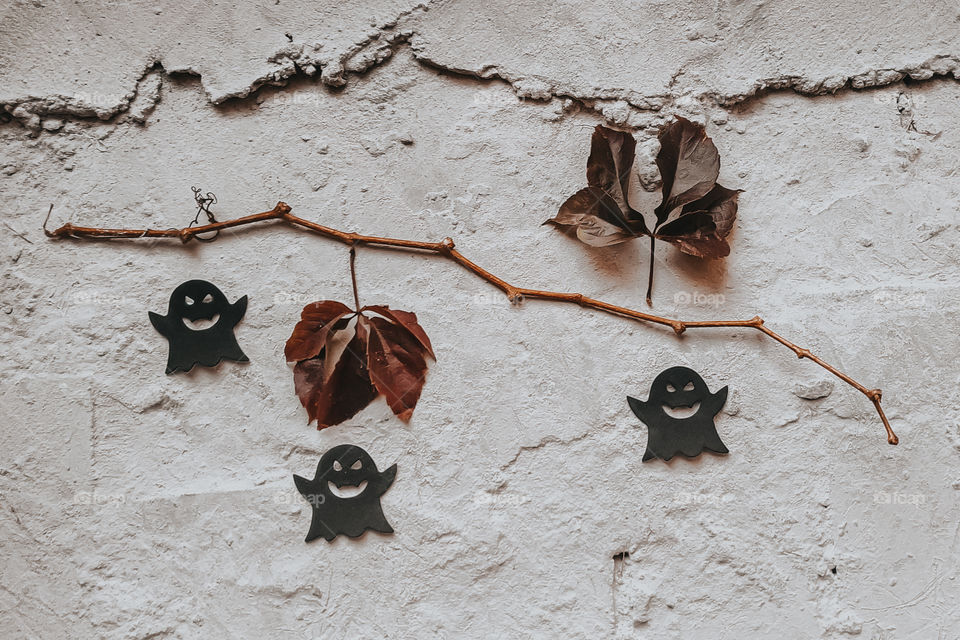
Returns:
<point x="653" y="242"/>
<point x="353" y="277"/>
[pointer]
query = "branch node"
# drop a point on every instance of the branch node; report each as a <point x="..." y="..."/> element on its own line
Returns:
<point x="282" y="209"/>
<point x="64" y="231"/>
<point x="447" y="245"/>
<point x="678" y="327"/>
<point x="804" y="353"/>
<point x="185" y="235"/>
<point x="515" y="297"/>
<point x="875" y="394"/>
<point x="757" y="321"/>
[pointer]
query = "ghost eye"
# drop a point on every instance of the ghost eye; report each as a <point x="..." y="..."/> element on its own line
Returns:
<point x="356" y="465"/>
<point x="188" y="299"/>
<point x="208" y="298"/>
<point x="688" y="387"/>
<point x="671" y="388"/>
<point x="337" y="466"/>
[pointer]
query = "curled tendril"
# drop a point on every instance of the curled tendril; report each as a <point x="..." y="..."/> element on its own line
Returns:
<point x="204" y="200"/>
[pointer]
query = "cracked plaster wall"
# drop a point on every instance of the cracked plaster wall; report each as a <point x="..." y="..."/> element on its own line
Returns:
<point x="134" y="505"/>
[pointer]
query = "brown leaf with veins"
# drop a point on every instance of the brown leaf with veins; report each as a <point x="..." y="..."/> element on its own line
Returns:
<point x="405" y="319"/>
<point x="689" y="164"/>
<point x="695" y="213"/>
<point x="609" y="165"/>
<point x="310" y="335"/>
<point x="330" y="398"/>
<point x="601" y="213"/>
<point x="594" y="215"/>
<point x="397" y="363"/>
<point x="383" y="355"/>
<point x="704" y="224"/>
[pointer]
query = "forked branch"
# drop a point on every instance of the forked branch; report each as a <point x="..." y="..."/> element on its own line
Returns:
<point x="446" y="248"/>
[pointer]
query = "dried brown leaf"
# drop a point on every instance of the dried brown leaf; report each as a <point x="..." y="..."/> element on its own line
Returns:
<point x="407" y="320"/>
<point x="384" y="355"/>
<point x="704" y="224"/>
<point x="689" y="164"/>
<point x="601" y="213"/>
<point x="612" y="154"/>
<point x="695" y="213"/>
<point x="592" y="213"/>
<point x="343" y="394"/>
<point x="317" y="319"/>
<point x="396" y="360"/>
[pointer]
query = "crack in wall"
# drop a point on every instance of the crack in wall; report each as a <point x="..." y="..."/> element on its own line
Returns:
<point x="543" y="443"/>
<point x="937" y="67"/>
<point x="618" y="106"/>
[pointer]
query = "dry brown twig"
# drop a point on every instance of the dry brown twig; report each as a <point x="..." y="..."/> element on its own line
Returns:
<point x="446" y="249"/>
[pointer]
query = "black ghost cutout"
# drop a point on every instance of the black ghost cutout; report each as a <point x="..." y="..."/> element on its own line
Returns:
<point x="667" y="436"/>
<point x="346" y="465"/>
<point x="199" y="300"/>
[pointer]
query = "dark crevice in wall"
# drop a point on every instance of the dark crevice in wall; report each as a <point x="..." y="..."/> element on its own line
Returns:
<point x="616" y="106"/>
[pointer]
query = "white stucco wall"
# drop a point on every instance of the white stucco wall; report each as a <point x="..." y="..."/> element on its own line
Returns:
<point x="139" y="505"/>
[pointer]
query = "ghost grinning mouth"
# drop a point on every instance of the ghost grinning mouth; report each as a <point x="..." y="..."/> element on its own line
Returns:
<point x="682" y="412"/>
<point x="347" y="490"/>
<point x="201" y="323"/>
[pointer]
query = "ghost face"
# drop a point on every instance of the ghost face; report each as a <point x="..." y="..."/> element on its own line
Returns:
<point x="345" y="494"/>
<point x="347" y="471"/>
<point x="199" y="326"/>
<point x="197" y="300"/>
<point x="670" y="434"/>
<point x="679" y="388"/>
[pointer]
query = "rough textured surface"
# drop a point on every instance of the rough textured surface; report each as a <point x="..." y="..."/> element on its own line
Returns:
<point x="521" y="506"/>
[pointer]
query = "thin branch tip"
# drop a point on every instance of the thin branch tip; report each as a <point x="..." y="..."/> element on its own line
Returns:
<point x="49" y="234"/>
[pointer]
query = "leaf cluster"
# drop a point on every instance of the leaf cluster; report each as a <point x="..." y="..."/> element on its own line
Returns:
<point x="345" y="358"/>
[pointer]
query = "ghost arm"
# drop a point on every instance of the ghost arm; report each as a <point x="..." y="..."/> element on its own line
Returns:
<point x="306" y="487"/>
<point x="640" y="408"/>
<point x="237" y="309"/>
<point x="715" y="402"/>
<point x="160" y="323"/>
<point x="384" y="480"/>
